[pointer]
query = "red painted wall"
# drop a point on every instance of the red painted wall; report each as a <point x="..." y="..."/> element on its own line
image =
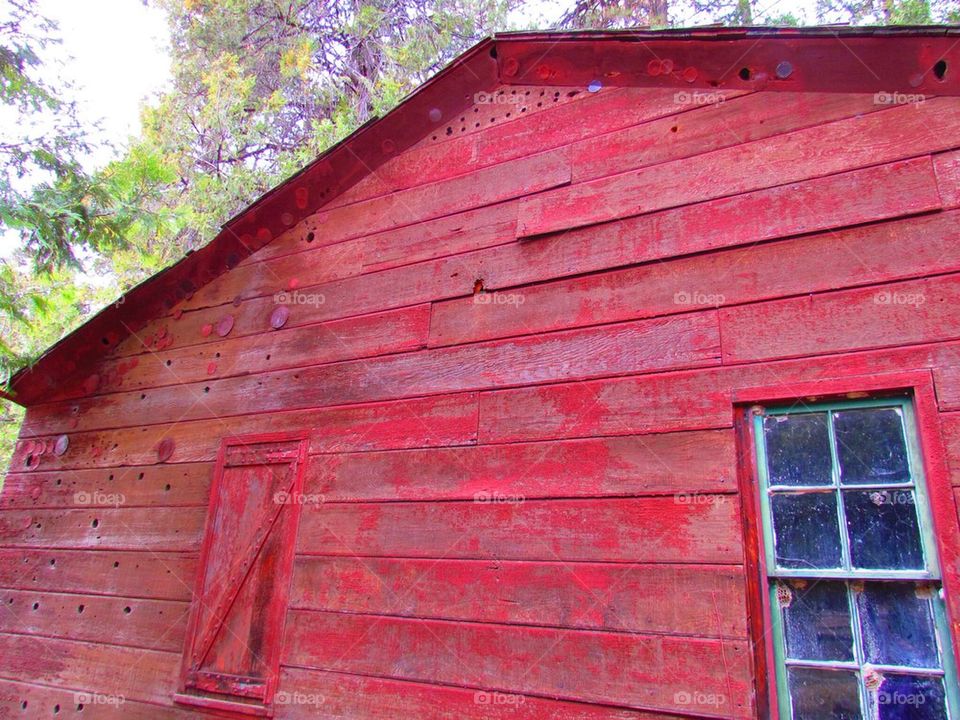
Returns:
<point x="517" y="349"/>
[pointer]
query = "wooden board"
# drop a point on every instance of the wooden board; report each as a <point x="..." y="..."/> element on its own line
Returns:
<point x="19" y="698"/>
<point x="695" y="462"/>
<point x="186" y="484"/>
<point x="700" y="600"/>
<point x="134" y="622"/>
<point x="715" y="121"/>
<point x="652" y="529"/>
<point x="353" y="338"/>
<point x="642" y="671"/>
<point x="420" y="422"/>
<point x="119" y="528"/>
<point x="341" y="696"/>
<point x="875" y="138"/>
<point x="857" y="256"/>
<point x="134" y="673"/>
<point x="672" y="401"/>
<point x="681" y="341"/>
<point x="158" y="575"/>
<point x="892" y="314"/>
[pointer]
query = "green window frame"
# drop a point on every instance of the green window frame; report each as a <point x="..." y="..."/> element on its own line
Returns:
<point x="816" y="590"/>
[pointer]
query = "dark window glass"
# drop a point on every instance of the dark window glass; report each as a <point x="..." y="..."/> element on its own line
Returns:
<point x="870" y="446"/>
<point x="897" y="624"/>
<point x="798" y="449"/>
<point x="883" y="528"/>
<point x="824" y="694"/>
<point x="816" y="620"/>
<point x="910" y="697"/>
<point x="806" y="530"/>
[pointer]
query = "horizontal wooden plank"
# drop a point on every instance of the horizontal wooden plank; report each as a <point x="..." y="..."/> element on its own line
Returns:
<point x="673" y="401"/>
<point x="120" y="528"/>
<point x="870" y="139"/>
<point x="902" y="313"/>
<point x="135" y="622"/>
<point x="483" y="187"/>
<point x="328" y="262"/>
<point x="422" y="422"/>
<point x="526" y="120"/>
<point x="692" y="462"/>
<point x="717" y="121"/>
<point x="23" y="699"/>
<point x="678" y="341"/>
<point x="947" y="166"/>
<point x="340" y="696"/>
<point x="149" y="485"/>
<point x="159" y="575"/>
<point x="134" y="673"/>
<point x="338" y="340"/>
<point x="652" y="529"/>
<point x="701" y="600"/>
<point x="650" y="672"/>
<point x="460" y="232"/>
<point x="856" y="256"/>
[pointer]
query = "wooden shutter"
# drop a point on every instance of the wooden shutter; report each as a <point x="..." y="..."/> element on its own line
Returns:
<point x="232" y="651"/>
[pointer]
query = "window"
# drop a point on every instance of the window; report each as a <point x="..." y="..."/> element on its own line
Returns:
<point x="859" y="626"/>
<point x="231" y="657"/>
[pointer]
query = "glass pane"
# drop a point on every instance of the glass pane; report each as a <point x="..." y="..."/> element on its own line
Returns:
<point x="909" y="697"/>
<point x="824" y="694"/>
<point x="805" y="529"/>
<point x="816" y="620"/>
<point x="883" y="528"/>
<point x="870" y="446"/>
<point x="897" y="624"/>
<point x="798" y="449"/>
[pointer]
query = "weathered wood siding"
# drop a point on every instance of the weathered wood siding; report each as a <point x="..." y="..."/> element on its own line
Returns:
<point x="517" y="347"/>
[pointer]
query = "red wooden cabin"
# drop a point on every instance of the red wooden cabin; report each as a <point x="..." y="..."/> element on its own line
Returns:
<point x="610" y="376"/>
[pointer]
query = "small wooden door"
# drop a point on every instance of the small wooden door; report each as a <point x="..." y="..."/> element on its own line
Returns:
<point x="232" y="651"/>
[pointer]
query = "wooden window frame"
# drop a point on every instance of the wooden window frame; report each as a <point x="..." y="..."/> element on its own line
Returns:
<point x="918" y="386"/>
<point x="276" y="620"/>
